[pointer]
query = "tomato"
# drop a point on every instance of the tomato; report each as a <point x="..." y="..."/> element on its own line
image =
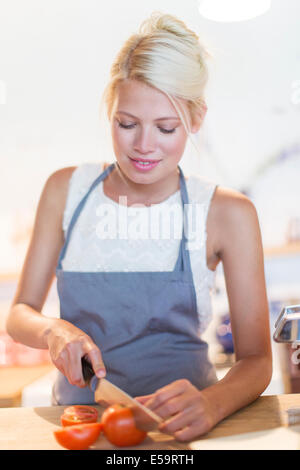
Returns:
<point x="119" y="426"/>
<point x="79" y="414"/>
<point x="78" y="437"/>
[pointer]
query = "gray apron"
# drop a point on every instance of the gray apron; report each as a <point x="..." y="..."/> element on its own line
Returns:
<point x="144" y="323"/>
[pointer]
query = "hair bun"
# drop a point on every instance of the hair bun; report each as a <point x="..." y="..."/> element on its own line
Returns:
<point x="171" y="24"/>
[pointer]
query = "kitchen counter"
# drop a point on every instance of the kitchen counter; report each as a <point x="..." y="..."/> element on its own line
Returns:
<point x="266" y="419"/>
<point x="14" y="379"/>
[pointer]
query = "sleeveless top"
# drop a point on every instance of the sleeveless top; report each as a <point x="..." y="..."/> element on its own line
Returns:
<point x="90" y="251"/>
<point x="145" y="323"/>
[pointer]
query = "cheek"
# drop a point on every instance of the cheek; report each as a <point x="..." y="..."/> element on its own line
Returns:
<point x="120" y="139"/>
<point x="174" y="146"/>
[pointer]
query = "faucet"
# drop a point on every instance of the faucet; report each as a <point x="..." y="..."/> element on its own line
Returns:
<point x="287" y="326"/>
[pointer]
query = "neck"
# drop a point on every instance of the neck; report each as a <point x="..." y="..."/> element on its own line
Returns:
<point x="146" y="194"/>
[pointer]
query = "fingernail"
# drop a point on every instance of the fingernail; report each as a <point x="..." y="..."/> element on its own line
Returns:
<point x="101" y="373"/>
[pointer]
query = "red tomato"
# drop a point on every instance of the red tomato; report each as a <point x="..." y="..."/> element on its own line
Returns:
<point x="79" y="414"/>
<point x="79" y="437"/>
<point x="119" y="426"/>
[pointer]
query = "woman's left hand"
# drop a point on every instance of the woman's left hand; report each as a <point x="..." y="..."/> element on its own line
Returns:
<point x="187" y="412"/>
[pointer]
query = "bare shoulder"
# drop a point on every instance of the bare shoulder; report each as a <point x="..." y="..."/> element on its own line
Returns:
<point x="230" y="203"/>
<point x="231" y="214"/>
<point x="57" y="185"/>
<point x="60" y="178"/>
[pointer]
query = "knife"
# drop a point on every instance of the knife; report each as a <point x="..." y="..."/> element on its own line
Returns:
<point x="106" y="394"/>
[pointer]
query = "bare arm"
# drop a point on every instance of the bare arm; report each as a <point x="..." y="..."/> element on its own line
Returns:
<point x="241" y="251"/>
<point x="25" y="322"/>
<point x="234" y="232"/>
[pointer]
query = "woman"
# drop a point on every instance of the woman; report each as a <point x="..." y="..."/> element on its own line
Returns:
<point x="136" y="308"/>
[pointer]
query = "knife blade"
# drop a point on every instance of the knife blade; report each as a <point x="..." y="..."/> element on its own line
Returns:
<point x="106" y="394"/>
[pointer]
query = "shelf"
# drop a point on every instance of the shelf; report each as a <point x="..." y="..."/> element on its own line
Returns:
<point x="288" y="249"/>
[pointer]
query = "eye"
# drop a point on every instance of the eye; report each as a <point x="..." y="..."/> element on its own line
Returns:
<point x="167" y="131"/>
<point x="131" y="126"/>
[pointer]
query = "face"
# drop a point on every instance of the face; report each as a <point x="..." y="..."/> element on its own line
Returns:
<point x="147" y="134"/>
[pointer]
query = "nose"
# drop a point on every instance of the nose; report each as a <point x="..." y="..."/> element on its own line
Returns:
<point x="144" y="142"/>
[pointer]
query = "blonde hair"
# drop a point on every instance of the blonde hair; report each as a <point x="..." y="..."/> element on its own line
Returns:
<point x="168" y="56"/>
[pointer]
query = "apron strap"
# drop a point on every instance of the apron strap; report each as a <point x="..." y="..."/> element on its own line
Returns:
<point x="79" y="209"/>
<point x="183" y="260"/>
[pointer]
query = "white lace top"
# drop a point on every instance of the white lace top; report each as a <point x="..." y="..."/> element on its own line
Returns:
<point x="113" y="237"/>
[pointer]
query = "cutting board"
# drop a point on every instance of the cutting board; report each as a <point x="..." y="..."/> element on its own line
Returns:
<point x="32" y="429"/>
<point x="261" y="425"/>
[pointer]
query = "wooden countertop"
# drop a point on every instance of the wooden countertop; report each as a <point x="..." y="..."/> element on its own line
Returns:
<point x="14" y="379"/>
<point x="32" y="428"/>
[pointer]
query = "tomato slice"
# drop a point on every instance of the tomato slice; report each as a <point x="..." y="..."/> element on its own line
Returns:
<point x="78" y="437"/>
<point x="119" y="426"/>
<point x="79" y="414"/>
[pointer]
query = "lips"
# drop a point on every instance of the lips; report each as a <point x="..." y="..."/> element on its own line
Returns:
<point x="143" y="165"/>
<point x="144" y="160"/>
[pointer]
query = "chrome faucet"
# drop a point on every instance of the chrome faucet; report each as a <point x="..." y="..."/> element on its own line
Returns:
<point x="287" y="326"/>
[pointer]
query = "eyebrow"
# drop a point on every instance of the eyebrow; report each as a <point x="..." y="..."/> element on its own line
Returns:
<point x="159" y="119"/>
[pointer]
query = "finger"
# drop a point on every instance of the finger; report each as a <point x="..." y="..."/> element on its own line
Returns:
<point x="76" y="369"/>
<point x="193" y="430"/>
<point x="59" y="365"/>
<point x="72" y="356"/>
<point x="178" y="421"/>
<point x="63" y="364"/>
<point x="187" y="433"/>
<point x="143" y="399"/>
<point x="173" y="406"/>
<point x="96" y="360"/>
<point x="166" y="393"/>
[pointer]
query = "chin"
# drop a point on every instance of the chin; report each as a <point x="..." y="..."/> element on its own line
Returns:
<point x="141" y="179"/>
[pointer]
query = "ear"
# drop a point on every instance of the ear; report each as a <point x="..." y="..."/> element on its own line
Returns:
<point x="198" y="118"/>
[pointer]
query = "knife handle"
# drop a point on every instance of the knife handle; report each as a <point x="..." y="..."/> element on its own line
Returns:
<point x="87" y="370"/>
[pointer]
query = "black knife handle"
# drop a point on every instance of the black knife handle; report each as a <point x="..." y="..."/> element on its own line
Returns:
<point x="87" y="370"/>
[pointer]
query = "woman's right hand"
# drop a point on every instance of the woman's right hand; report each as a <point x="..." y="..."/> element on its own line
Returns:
<point x="67" y="345"/>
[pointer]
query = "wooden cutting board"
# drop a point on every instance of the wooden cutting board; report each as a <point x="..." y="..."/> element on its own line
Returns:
<point x="32" y="429"/>
<point x="261" y="425"/>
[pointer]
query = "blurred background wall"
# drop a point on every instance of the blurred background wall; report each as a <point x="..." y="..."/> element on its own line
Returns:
<point x="55" y="59"/>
